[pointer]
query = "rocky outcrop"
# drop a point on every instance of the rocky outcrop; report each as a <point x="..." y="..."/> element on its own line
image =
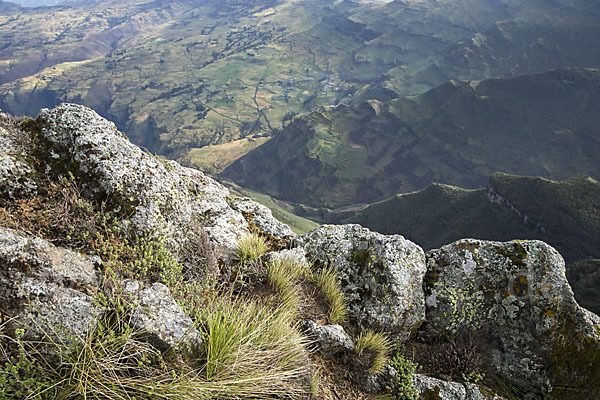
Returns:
<point x="159" y="197"/>
<point x="380" y="275"/>
<point x="330" y="340"/>
<point x="51" y="293"/>
<point x="432" y="388"/>
<point x="261" y="217"/>
<point x="518" y="293"/>
<point x="47" y="287"/>
<point x="515" y="294"/>
<point x="16" y="174"/>
<point x="156" y="314"/>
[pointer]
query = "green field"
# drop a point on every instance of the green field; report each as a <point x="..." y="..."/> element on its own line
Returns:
<point x="176" y="77"/>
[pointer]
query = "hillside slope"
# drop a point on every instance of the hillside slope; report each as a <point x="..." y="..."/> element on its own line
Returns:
<point x="180" y="75"/>
<point x="564" y="214"/>
<point x="458" y="133"/>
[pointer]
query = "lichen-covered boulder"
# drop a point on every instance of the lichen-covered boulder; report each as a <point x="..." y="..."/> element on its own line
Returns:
<point x="16" y="174"/>
<point x="429" y="387"/>
<point x="381" y="275"/>
<point x="262" y="218"/>
<point x="330" y="340"/>
<point x="161" y="197"/>
<point x="433" y="388"/>
<point x="46" y="288"/>
<point x="296" y="255"/>
<point x="160" y="318"/>
<point x="517" y="291"/>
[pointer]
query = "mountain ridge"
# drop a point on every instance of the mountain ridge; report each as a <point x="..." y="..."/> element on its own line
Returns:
<point x="238" y="70"/>
<point x="458" y="133"/>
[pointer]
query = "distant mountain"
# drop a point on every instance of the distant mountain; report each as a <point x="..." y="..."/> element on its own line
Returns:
<point x="37" y="3"/>
<point x="564" y="214"/>
<point x="584" y="277"/>
<point x="178" y="76"/>
<point x="458" y="133"/>
<point x="535" y="36"/>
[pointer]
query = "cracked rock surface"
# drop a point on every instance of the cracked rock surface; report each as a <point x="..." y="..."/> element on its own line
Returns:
<point x="516" y="292"/>
<point x="162" y="197"/>
<point x="159" y="316"/>
<point x="381" y="275"/>
<point x="49" y="286"/>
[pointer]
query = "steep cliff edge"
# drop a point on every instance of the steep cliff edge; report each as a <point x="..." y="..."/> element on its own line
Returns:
<point x="124" y="275"/>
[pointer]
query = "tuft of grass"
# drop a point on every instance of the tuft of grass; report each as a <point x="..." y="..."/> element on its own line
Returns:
<point x="251" y="246"/>
<point x="315" y="383"/>
<point x="328" y="282"/>
<point x="248" y="342"/>
<point x="249" y="351"/>
<point x="283" y="274"/>
<point x="377" y="345"/>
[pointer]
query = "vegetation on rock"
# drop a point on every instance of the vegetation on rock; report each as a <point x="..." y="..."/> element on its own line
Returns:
<point x="112" y="289"/>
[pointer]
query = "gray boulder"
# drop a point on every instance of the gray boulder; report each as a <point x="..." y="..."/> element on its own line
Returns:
<point x="262" y="218"/>
<point x="159" y="316"/>
<point x="428" y="387"/>
<point x="517" y="291"/>
<point x="381" y="275"/>
<point x="161" y="197"/>
<point x="329" y="339"/>
<point x="297" y="255"/>
<point x="47" y="288"/>
<point x="16" y="174"/>
<point x="433" y="388"/>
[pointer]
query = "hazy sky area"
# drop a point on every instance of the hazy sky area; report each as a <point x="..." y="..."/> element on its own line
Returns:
<point x="36" y="3"/>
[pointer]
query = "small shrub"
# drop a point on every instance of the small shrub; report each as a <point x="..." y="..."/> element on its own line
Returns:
<point x="328" y="282"/>
<point x="143" y="257"/>
<point x="197" y="255"/>
<point x="463" y="356"/>
<point x="251" y="247"/>
<point x="401" y="385"/>
<point x="376" y="346"/>
<point x="22" y="375"/>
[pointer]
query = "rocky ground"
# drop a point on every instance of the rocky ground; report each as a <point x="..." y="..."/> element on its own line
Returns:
<point x="100" y="240"/>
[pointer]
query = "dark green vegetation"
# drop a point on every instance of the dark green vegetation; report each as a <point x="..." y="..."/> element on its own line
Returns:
<point x="584" y="277"/>
<point x="458" y="133"/>
<point x="564" y="214"/>
<point x="177" y="76"/>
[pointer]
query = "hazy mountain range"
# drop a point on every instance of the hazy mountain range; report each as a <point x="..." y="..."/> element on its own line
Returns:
<point x="458" y="133"/>
<point x="177" y="76"/>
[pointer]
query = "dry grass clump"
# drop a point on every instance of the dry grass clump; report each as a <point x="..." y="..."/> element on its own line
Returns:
<point x="248" y="351"/>
<point x="328" y="282"/>
<point x="376" y="346"/>
<point x="250" y="247"/>
<point x="464" y="357"/>
<point x="60" y="214"/>
<point x="283" y="275"/>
